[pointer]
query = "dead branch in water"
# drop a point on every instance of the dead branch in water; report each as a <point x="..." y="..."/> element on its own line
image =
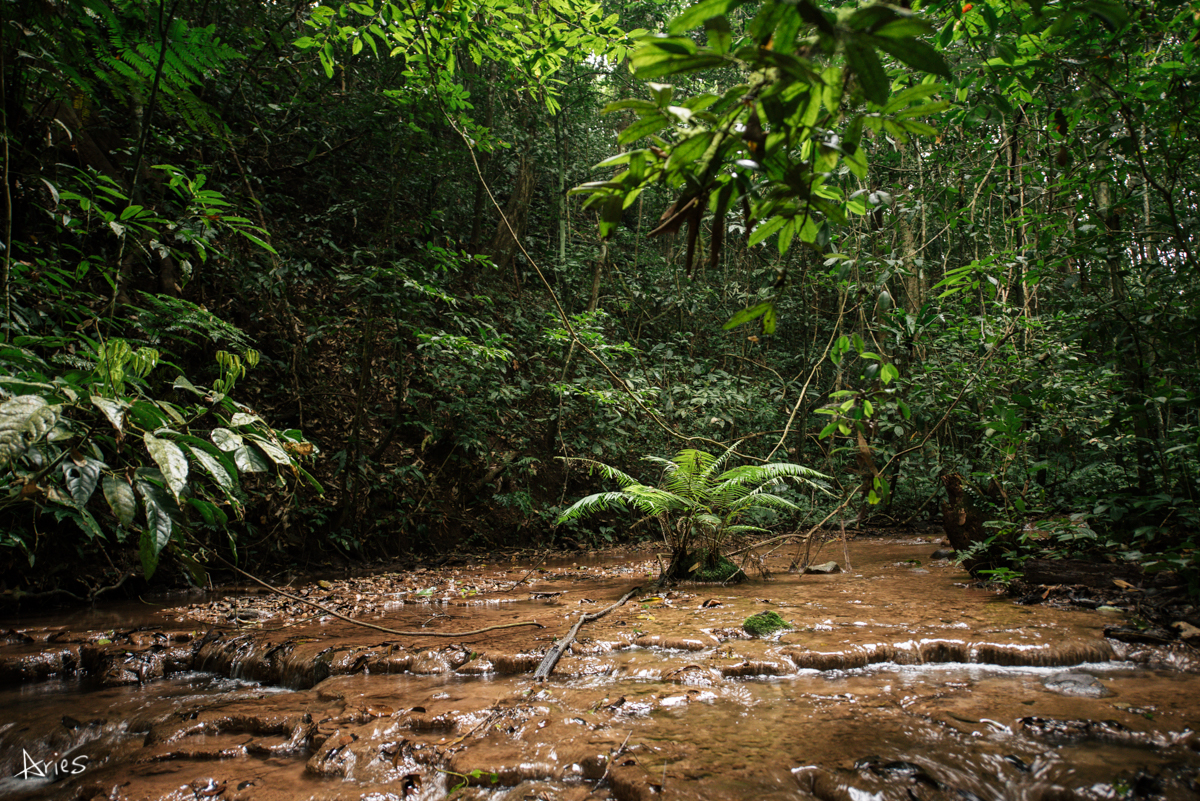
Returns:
<point x="556" y="652"/>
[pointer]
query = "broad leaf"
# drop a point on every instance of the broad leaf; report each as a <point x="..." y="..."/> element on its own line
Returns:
<point x="23" y="421"/>
<point x="158" y="526"/>
<point x="170" y="460"/>
<point x="249" y="460"/>
<point x="213" y="466"/>
<point x="273" y="452"/>
<point x="81" y="476"/>
<point x="121" y="500"/>
<point x="113" y="410"/>
<point x="226" y="440"/>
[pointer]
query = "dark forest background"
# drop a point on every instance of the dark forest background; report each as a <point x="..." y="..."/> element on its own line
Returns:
<point x="300" y="284"/>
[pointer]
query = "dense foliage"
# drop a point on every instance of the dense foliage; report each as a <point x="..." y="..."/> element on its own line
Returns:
<point x="294" y="283"/>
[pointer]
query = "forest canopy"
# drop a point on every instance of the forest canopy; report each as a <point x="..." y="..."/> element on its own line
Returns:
<point x="312" y="283"/>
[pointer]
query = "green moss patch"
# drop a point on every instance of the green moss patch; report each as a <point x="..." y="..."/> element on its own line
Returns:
<point x="764" y="623"/>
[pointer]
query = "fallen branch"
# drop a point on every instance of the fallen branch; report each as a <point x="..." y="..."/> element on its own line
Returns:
<point x="530" y="573"/>
<point x="366" y="625"/>
<point x="609" y="761"/>
<point x="555" y="653"/>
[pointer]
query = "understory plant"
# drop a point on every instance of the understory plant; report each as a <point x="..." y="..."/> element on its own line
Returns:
<point x="700" y="506"/>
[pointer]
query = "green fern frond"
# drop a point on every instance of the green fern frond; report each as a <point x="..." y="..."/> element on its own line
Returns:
<point x="758" y="499"/>
<point x="605" y="470"/>
<point x="737" y="530"/>
<point x="600" y="502"/>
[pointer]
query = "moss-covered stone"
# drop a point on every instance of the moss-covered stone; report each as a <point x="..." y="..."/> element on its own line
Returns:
<point x="718" y="571"/>
<point x="764" y="623"/>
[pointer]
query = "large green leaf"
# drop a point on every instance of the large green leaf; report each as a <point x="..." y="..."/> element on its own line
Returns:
<point x="82" y="474"/>
<point x="121" y="499"/>
<point x="226" y="440"/>
<point x="113" y="410"/>
<point x="867" y="68"/>
<point x="23" y="421"/>
<point x="213" y="466"/>
<point x="273" y="451"/>
<point x="158" y="526"/>
<point x="249" y="460"/>
<point x="170" y="459"/>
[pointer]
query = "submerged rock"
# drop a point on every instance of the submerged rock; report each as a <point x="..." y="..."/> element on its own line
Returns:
<point x="1082" y="684"/>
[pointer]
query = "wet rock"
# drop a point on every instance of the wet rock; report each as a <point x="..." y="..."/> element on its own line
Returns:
<point x="480" y="666"/>
<point x="1186" y="630"/>
<point x="1081" y="684"/>
<point x="630" y="782"/>
<point x="693" y="675"/>
<point x="943" y="553"/>
<point x="516" y="663"/>
<point x="756" y="667"/>
<point x="678" y="643"/>
<point x="1151" y="635"/>
<point x="1105" y="731"/>
<point x="853" y="657"/>
<point x="824" y="568"/>
<point x="430" y="663"/>
<point x="1061" y="654"/>
<point x="584" y="666"/>
<point x="335" y="757"/>
<point x="39" y="665"/>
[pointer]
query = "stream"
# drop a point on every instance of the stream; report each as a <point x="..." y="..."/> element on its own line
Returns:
<point x="899" y="679"/>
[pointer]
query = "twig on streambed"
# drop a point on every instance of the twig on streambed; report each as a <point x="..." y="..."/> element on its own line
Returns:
<point x="530" y="573"/>
<point x="366" y="625"/>
<point x="556" y="652"/>
<point x="611" y="757"/>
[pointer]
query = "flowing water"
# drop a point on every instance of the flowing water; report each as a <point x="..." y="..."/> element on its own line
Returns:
<point x="898" y="680"/>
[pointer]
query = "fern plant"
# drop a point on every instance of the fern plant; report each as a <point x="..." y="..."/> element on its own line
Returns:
<point x="701" y="505"/>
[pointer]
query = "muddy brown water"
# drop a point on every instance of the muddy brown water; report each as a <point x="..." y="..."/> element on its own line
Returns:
<point x="898" y="681"/>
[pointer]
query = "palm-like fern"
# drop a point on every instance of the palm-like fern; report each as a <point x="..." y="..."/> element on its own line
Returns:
<point x="699" y="503"/>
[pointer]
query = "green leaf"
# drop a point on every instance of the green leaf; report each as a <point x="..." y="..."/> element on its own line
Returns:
<point x="170" y="460"/>
<point x="113" y="410"/>
<point x="273" y="451"/>
<point x="720" y="37"/>
<point x="212" y="514"/>
<point x="214" y="467"/>
<point x="226" y="440"/>
<point x="747" y="314"/>
<point x="888" y="373"/>
<point x="249" y="460"/>
<point x="643" y="127"/>
<point x="81" y="477"/>
<point x="916" y="54"/>
<point x="764" y="230"/>
<point x="23" y="421"/>
<point x="260" y="242"/>
<point x="121" y="500"/>
<point x="159" y="526"/>
<point x="700" y="13"/>
<point x="866" y="66"/>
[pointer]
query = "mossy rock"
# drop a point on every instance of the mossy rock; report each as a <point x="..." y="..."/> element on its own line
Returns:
<point x="764" y="623"/>
<point x="713" y="569"/>
<point x="718" y="572"/>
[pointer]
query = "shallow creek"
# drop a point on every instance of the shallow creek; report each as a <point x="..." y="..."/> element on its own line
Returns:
<point x="898" y="681"/>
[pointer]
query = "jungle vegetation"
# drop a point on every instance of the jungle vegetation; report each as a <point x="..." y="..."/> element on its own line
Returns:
<point x="300" y="283"/>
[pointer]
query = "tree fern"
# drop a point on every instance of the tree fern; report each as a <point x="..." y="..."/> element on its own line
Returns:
<point x="700" y="507"/>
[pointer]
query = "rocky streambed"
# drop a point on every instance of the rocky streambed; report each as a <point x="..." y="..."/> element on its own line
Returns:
<point x="896" y="680"/>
